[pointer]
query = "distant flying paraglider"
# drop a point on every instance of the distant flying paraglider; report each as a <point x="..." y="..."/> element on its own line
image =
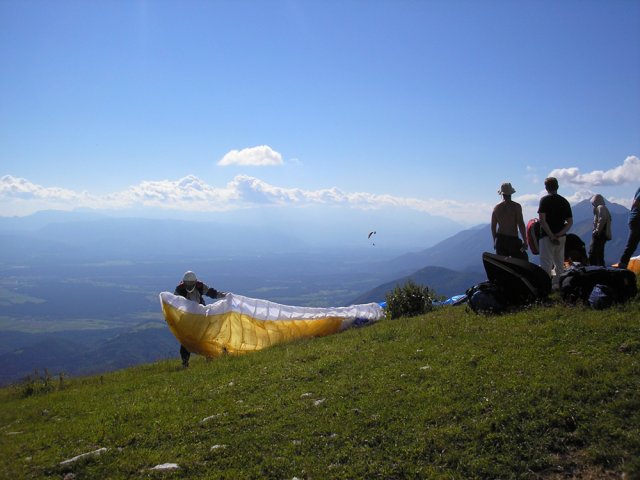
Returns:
<point x="369" y="237"/>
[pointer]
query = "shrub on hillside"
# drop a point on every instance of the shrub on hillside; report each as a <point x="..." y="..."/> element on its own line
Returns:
<point x="409" y="300"/>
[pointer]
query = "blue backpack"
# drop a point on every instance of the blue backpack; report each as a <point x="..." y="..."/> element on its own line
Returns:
<point x="600" y="297"/>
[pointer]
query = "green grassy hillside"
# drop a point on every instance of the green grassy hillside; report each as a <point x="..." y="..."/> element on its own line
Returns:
<point x="550" y="392"/>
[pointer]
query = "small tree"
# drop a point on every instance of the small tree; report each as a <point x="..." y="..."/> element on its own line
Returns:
<point x="409" y="300"/>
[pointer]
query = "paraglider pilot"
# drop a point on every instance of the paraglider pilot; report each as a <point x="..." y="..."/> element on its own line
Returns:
<point x="193" y="289"/>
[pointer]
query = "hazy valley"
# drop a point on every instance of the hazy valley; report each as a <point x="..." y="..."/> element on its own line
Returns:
<point x="79" y="290"/>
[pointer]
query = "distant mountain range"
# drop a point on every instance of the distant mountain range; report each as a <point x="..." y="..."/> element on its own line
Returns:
<point x="238" y="232"/>
<point x="455" y="264"/>
<point x="443" y="281"/>
<point x="106" y="238"/>
<point x="79" y="291"/>
<point x="463" y="251"/>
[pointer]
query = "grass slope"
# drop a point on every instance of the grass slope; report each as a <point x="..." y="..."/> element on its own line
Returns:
<point x="550" y="392"/>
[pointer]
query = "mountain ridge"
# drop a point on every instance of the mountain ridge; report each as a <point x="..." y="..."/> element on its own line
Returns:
<point x="463" y="253"/>
<point x="114" y="292"/>
<point x="463" y="250"/>
<point x="443" y="281"/>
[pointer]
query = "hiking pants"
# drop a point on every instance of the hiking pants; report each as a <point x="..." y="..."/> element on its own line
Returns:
<point x="552" y="255"/>
<point x="185" y="355"/>
<point x="509" y="246"/>
<point x="632" y="243"/>
<point x="596" y="250"/>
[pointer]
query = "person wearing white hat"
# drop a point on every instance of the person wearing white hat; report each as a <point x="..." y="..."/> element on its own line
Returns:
<point x="506" y="222"/>
<point x="193" y="289"/>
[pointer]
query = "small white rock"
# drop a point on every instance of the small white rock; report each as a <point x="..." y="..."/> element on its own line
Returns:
<point x="167" y="466"/>
<point x="78" y="457"/>
<point x="211" y="417"/>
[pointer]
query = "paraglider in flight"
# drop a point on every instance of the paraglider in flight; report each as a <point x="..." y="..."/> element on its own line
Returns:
<point x="236" y="324"/>
<point x="369" y="237"/>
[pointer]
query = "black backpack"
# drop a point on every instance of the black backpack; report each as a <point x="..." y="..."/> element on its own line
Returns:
<point x="577" y="283"/>
<point x="575" y="250"/>
<point x="487" y="297"/>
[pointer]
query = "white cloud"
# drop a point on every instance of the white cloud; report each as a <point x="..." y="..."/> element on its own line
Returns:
<point x="260" y="156"/>
<point x="23" y="189"/>
<point x="188" y="193"/>
<point x="254" y="191"/>
<point x="19" y="196"/>
<point x="581" y="195"/>
<point x="628" y="172"/>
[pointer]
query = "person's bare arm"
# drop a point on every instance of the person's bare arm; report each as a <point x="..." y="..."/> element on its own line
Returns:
<point x="494" y="226"/>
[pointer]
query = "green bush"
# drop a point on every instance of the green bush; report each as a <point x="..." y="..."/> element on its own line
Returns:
<point x="39" y="384"/>
<point x="409" y="300"/>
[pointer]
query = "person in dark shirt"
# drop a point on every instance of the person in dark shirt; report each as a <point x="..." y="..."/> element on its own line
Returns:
<point x="556" y="220"/>
<point x="634" y="232"/>
<point x="193" y="289"/>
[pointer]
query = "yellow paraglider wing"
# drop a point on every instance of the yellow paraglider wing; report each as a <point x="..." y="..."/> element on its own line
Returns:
<point x="238" y="324"/>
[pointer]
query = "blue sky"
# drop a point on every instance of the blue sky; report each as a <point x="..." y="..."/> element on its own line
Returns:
<point x="421" y="106"/>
